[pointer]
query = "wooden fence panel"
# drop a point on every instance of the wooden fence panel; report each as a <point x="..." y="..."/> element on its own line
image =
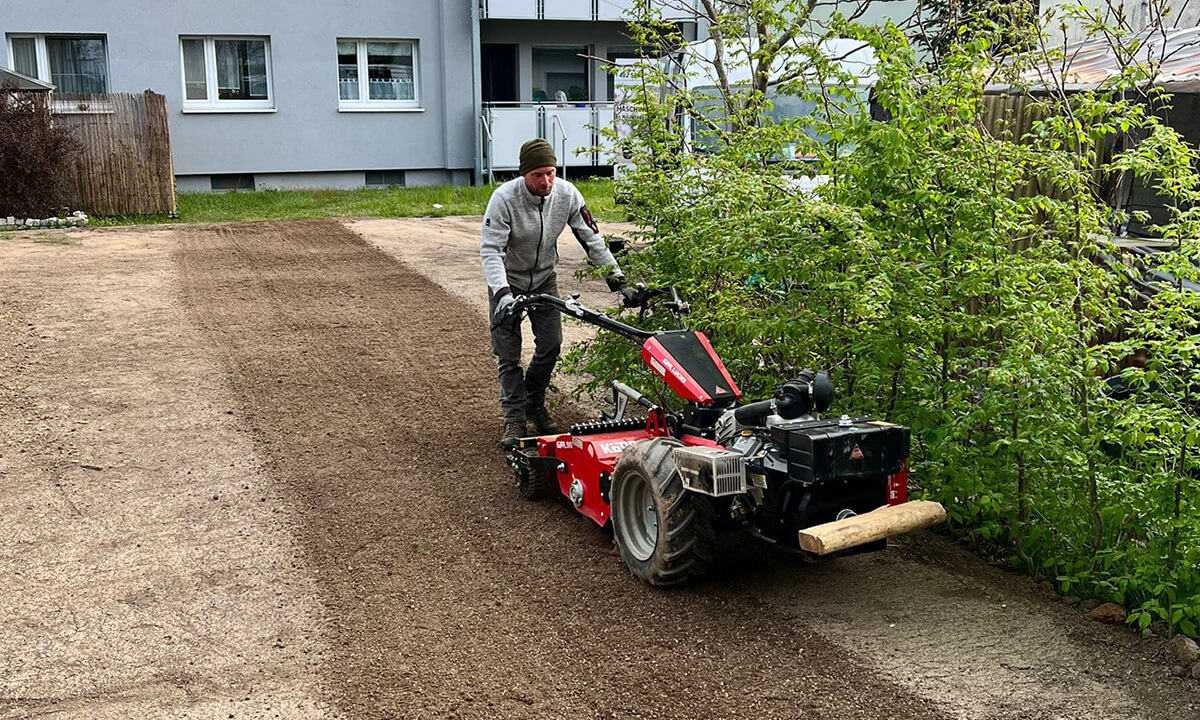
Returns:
<point x="124" y="163"/>
<point x="1013" y="116"/>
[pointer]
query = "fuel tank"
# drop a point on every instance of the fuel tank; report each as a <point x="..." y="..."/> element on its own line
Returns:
<point x="688" y="364"/>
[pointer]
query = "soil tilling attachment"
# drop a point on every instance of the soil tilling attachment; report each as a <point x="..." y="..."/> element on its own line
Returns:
<point x="775" y="468"/>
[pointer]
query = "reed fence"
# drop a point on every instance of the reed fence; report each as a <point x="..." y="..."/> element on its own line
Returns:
<point x="1014" y="116"/>
<point x="124" y="162"/>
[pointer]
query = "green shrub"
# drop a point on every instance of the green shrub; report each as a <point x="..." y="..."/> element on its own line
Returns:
<point x="953" y="275"/>
<point x="33" y="155"/>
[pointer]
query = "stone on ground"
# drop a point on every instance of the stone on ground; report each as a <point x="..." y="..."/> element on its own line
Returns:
<point x="1108" y="613"/>
<point x="1183" y="650"/>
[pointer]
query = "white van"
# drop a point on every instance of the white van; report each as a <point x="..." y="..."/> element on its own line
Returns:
<point x="692" y="69"/>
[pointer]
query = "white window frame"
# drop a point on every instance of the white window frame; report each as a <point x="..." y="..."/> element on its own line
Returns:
<point x="42" y="55"/>
<point x="213" y="103"/>
<point x="363" y="103"/>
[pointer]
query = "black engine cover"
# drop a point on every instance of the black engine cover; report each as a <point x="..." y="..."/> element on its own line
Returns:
<point x="819" y="451"/>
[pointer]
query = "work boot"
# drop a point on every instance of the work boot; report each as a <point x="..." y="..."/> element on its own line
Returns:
<point x="542" y="422"/>
<point x="514" y="430"/>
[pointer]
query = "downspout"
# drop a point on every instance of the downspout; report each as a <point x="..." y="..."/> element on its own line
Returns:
<point x="447" y="130"/>
<point x="477" y="91"/>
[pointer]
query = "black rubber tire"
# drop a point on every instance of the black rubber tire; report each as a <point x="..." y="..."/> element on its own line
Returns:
<point x="673" y="545"/>
<point x="533" y="484"/>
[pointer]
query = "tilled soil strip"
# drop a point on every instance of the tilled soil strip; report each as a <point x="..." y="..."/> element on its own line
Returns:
<point x="370" y="391"/>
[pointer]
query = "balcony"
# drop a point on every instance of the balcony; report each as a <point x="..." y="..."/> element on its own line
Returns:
<point x="578" y="9"/>
<point x="568" y="127"/>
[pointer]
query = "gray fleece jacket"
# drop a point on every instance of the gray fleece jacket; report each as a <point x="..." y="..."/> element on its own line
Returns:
<point x="518" y="245"/>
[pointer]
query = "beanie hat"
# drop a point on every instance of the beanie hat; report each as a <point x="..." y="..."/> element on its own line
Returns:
<point x="536" y="153"/>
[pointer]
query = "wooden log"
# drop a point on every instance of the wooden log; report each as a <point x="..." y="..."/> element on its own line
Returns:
<point x="878" y="524"/>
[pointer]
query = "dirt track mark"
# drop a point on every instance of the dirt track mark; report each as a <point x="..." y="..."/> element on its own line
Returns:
<point x="370" y="392"/>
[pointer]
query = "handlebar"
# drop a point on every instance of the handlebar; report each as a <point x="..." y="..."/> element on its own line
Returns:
<point x="642" y="295"/>
<point x="571" y="306"/>
<point x="638" y="297"/>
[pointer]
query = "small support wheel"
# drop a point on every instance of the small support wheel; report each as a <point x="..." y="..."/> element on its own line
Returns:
<point x="532" y="483"/>
<point x="664" y="532"/>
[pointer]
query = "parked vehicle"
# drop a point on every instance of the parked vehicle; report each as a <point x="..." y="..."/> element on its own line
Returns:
<point x="1140" y="258"/>
<point x="692" y="70"/>
<point x="1140" y="255"/>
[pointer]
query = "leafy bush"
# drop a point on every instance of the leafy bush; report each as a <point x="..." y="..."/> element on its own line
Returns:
<point x="33" y="155"/>
<point x="953" y="274"/>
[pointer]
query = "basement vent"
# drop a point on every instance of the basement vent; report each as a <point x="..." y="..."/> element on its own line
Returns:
<point x="385" y="178"/>
<point x="232" y="182"/>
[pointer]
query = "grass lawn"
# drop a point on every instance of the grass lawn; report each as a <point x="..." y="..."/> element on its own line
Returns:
<point x="384" y="202"/>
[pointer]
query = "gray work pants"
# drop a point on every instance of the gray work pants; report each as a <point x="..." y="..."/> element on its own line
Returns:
<point x="521" y="389"/>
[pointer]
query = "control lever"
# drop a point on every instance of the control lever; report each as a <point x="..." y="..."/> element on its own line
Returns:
<point x="622" y="393"/>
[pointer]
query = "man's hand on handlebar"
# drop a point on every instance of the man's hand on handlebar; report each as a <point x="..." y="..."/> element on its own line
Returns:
<point x="503" y="311"/>
<point x="615" y="281"/>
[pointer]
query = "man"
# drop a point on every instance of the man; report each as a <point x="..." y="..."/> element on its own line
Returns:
<point x="518" y="247"/>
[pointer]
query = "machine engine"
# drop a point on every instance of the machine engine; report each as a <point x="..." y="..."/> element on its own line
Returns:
<point x="783" y="468"/>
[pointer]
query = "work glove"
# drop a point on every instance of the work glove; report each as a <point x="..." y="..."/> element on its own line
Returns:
<point x="631" y="297"/>
<point x="616" y="281"/>
<point x="503" y="307"/>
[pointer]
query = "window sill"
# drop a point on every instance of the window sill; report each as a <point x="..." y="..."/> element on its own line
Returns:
<point x="381" y="109"/>
<point x="209" y="109"/>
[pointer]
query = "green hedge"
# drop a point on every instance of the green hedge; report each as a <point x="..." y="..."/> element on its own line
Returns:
<point x="957" y="279"/>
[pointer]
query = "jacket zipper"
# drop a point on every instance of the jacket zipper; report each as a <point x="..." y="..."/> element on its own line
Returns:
<point x="541" y="236"/>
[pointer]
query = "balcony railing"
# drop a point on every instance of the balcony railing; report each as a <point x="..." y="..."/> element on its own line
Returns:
<point x="573" y="129"/>
<point x="579" y="9"/>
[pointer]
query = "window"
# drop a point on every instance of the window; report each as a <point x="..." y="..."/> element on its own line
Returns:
<point x="72" y="63"/>
<point x="560" y="74"/>
<point x="377" y="74"/>
<point x="226" y="73"/>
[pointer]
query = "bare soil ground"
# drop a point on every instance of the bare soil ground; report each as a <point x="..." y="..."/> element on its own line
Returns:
<point x="249" y="471"/>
